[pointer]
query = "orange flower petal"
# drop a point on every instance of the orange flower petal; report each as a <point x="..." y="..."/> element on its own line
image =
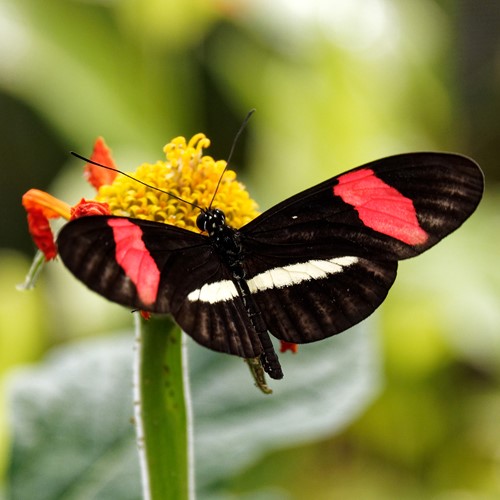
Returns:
<point x="85" y="208"/>
<point x="288" y="346"/>
<point x="51" y="207"/>
<point x="98" y="176"/>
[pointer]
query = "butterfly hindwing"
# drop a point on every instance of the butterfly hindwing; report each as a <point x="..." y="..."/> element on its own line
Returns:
<point x="222" y="326"/>
<point x="333" y="295"/>
<point x="309" y="300"/>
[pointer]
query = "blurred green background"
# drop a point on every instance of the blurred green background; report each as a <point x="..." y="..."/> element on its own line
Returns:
<point x="336" y="83"/>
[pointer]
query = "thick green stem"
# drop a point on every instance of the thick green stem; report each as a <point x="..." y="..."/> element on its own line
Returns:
<point x="162" y="413"/>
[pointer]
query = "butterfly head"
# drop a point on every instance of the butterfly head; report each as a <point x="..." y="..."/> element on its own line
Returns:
<point x="210" y="220"/>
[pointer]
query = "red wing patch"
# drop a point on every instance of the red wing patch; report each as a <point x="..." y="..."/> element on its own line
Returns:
<point x="380" y="206"/>
<point x="134" y="258"/>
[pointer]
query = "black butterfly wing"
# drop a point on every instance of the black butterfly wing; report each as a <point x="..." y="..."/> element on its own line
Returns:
<point x="315" y="264"/>
<point x="396" y="207"/>
<point x="153" y="267"/>
<point x="317" y="298"/>
<point x="325" y="259"/>
<point x="136" y="263"/>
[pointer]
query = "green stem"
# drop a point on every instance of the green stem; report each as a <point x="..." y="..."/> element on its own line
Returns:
<point x="162" y="413"/>
<point x="33" y="273"/>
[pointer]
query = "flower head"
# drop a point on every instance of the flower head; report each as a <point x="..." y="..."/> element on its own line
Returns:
<point x="186" y="173"/>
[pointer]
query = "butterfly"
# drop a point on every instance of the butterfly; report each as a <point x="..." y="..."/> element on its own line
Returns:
<point x="306" y="269"/>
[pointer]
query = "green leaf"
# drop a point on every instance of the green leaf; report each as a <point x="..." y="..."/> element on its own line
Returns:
<point x="326" y="385"/>
<point x="71" y="415"/>
<point x="71" y="422"/>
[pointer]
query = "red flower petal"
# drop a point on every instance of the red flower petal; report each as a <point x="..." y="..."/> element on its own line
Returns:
<point x="288" y="346"/>
<point x="41" y="233"/>
<point x="85" y="208"/>
<point x="98" y="176"/>
<point x="41" y="207"/>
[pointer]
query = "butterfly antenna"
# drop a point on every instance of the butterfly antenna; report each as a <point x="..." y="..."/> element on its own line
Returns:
<point x="235" y="140"/>
<point x="88" y="160"/>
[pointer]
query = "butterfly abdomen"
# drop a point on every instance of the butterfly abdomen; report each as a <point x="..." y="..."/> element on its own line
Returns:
<point x="226" y="242"/>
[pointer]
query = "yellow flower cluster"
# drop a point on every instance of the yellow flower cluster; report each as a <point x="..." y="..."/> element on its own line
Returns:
<point x="188" y="174"/>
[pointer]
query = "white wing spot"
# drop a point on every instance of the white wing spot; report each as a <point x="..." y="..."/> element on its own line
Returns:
<point x="279" y="277"/>
<point x="294" y="274"/>
<point x="220" y="291"/>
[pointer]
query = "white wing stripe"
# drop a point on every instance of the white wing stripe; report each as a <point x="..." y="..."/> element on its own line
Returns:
<point x="219" y="291"/>
<point x="278" y="277"/>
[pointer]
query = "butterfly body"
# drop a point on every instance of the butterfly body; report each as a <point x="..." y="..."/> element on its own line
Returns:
<point x="227" y="243"/>
<point x="308" y="268"/>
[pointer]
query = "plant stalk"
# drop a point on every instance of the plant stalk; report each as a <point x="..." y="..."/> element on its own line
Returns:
<point x="162" y="410"/>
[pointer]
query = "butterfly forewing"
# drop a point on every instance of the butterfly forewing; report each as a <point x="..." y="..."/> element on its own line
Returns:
<point x="137" y="263"/>
<point x="396" y="208"/>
